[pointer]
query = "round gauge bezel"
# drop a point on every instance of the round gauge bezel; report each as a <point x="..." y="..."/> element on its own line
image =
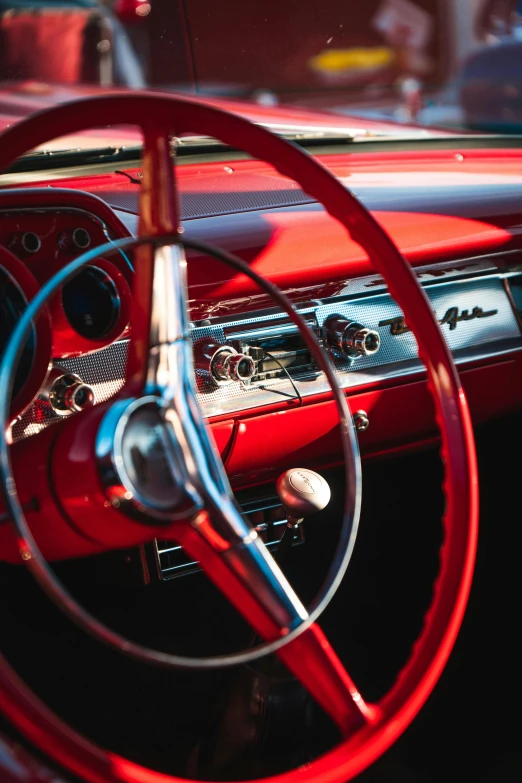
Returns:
<point x="67" y="341"/>
<point x="29" y="286"/>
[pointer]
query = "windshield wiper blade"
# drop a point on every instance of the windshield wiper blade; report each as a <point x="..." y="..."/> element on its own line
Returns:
<point x="83" y="156"/>
<point x="75" y="156"/>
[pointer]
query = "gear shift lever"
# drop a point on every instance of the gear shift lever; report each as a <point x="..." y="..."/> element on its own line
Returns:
<point x="302" y="492"/>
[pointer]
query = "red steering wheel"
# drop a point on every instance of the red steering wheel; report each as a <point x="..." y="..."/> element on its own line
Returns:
<point x="376" y="726"/>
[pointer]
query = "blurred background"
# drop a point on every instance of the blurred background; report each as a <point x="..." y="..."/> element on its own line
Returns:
<point x="445" y="63"/>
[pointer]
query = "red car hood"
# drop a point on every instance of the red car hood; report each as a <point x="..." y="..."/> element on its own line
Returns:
<point x="22" y="99"/>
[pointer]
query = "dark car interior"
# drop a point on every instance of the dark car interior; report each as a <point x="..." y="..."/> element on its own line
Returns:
<point x="172" y="722"/>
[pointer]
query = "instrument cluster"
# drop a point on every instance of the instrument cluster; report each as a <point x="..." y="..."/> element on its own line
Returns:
<point x="88" y="313"/>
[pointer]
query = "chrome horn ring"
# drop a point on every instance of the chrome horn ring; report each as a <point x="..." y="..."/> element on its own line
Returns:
<point x="29" y="550"/>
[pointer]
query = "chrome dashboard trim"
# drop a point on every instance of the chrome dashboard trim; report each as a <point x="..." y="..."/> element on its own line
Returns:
<point x="411" y="369"/>
<point x="476" y="339"/>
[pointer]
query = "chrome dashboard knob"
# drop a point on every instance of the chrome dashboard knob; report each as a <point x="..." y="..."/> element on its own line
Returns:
<point x="69" y="394"/>
<point x="218" y="367"/>
<point x="240" y="367"/>
<point x="350" y="338"/>
<point x="223" y="363"/>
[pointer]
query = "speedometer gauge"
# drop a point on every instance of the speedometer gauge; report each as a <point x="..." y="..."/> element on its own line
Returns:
<point x="17" y="287"/>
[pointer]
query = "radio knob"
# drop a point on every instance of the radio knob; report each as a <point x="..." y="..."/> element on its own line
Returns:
<point x="350" y="338"/>
<point x="219" y="365"/>
<point x="240" y="367"/>
<point x="223" y="363"/>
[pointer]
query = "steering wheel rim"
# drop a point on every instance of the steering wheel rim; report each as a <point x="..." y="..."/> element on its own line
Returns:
<point x="443" y="620"/>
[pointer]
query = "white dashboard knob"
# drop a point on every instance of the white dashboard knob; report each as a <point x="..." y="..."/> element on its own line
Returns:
<point x="302" y="492"/>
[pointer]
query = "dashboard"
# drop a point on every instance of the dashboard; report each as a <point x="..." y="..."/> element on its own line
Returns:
<point x="260" y="389"/>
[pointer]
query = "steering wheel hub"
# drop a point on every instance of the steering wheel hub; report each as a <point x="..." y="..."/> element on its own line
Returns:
<point x="141" y="476"/>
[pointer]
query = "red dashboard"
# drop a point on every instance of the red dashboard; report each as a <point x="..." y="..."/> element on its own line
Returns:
<point x="455" y="216"/>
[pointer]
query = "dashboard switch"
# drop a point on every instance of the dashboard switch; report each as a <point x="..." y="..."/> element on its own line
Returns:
<point x="349" y="338"/>
<point x="361" y="421"/>
<point x="31" y="242"/>
<point x="68" y="394"/>
<point x="81" y="238"/>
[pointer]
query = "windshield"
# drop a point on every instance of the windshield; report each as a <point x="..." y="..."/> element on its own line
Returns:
<point x="341" y="67"/>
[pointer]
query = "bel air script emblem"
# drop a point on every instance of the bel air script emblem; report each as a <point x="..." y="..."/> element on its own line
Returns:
<point x="452" y="316"/>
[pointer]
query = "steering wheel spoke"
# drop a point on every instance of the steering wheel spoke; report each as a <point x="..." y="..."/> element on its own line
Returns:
<point x="159" y="207"/>
<point x="159" y="285"/>
<point x="251" y="580"/>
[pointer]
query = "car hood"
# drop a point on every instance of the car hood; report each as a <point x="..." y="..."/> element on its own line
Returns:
<point x="20" y="100"/>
